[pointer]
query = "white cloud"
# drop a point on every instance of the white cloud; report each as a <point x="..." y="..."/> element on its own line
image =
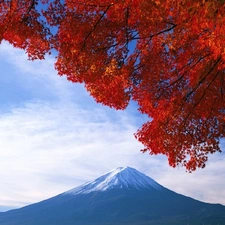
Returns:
<point x="40" y="143"/>
<point x="47" y="147"/>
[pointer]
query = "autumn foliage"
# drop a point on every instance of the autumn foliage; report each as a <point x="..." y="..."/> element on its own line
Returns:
<point x="167" y="55"/>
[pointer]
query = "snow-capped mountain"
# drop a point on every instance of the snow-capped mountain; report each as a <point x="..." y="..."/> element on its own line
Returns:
<point x="123" y="196"/>
<point x="122" y="177"/>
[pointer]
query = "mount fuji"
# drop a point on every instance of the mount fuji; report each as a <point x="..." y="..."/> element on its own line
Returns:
<point x="120" y="178"/>
<point x="123" y="196"/>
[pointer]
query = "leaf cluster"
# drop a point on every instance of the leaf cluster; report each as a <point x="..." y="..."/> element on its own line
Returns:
<point x="168" y="56"/>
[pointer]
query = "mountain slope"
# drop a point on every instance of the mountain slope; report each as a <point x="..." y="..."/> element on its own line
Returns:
<point x="123" y="196"/>
<point x="122" y="177"/>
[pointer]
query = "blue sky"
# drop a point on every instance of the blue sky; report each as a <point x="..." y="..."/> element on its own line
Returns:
<point x="54" y="137"/>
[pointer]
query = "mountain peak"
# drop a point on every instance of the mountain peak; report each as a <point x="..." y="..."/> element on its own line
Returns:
<point x="121" y="177"/>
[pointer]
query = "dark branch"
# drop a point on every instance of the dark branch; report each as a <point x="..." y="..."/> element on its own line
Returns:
<point x="94" y="27"/>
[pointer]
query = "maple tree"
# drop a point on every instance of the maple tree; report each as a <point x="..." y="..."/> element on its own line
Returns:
<point x="167" y="55"/>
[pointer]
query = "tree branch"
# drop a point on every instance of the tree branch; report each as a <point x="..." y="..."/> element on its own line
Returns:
<point x="94" y="27"/>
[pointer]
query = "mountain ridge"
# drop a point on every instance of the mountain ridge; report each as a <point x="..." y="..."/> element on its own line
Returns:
<point x="117" y="198"/>
<point x="121" y="177"/>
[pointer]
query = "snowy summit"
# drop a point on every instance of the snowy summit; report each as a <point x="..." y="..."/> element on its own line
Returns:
<point x="122" y="177"/>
